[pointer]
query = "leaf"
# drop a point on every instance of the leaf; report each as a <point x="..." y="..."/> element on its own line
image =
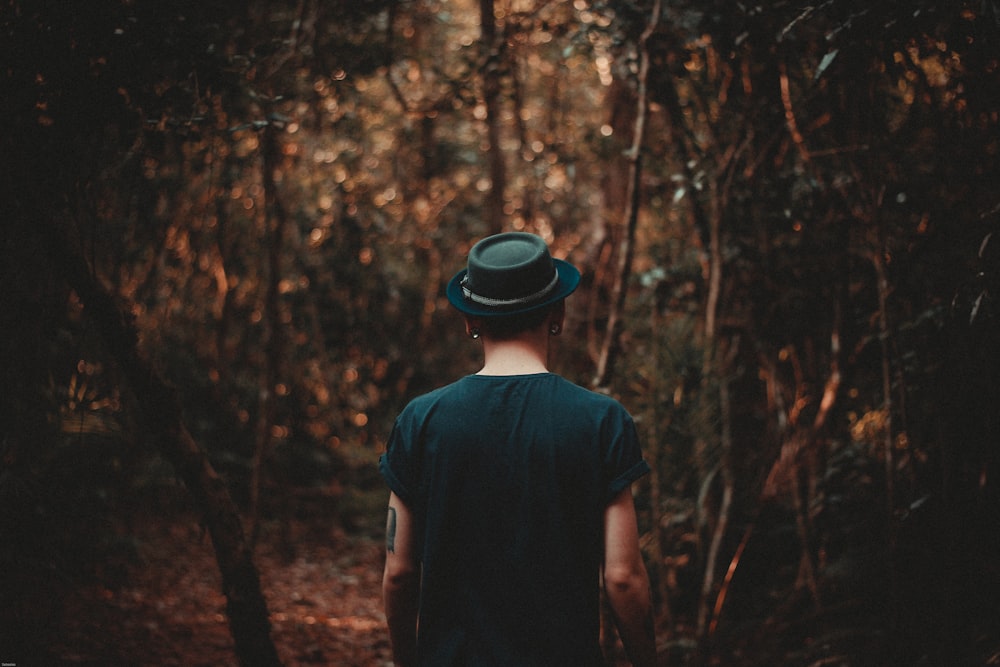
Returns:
<point x="825" y="63"/>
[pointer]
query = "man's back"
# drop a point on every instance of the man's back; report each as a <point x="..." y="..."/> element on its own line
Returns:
<point x="508" y="478"/>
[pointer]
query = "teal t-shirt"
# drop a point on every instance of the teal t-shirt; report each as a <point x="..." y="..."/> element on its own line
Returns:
<point x="508" y="478"/>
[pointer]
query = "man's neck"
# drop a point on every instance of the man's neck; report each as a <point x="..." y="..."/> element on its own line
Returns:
<point x="524" y="355"/>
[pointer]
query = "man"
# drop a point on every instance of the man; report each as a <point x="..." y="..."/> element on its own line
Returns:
<point x="510" y="491"/>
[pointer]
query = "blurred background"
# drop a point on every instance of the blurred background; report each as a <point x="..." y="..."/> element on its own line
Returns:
<point x="227" y="227"/>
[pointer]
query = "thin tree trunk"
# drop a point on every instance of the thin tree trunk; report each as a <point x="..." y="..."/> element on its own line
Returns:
<point x="226" y="300"/>
<point x="728" y="579"/>
<point x="491" y="100"/>
<point x="890" y="466"/>
<point x="160" y="412"/>
<point x="708" y="582"/>
<point x="806" y="576"/>
<point x="721" y="367"/>
<point x="630" y="218"/>
<point x="527" y="212"/>
<point x="883" y="330"/>
<point x="654" y="454"/>
<point x="714" y="263"/>
<point x="275" y="222"/>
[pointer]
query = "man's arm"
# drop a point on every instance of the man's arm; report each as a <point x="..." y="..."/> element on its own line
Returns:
<point x="401" y="582"/>
<point x="626" y="582"/>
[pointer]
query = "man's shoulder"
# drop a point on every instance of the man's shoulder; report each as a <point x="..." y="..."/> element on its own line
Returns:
<point x="590" y="397"/>
<point x="425" y="401"/>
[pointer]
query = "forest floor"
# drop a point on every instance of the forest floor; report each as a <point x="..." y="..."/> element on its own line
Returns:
<point x="168" y="608"/>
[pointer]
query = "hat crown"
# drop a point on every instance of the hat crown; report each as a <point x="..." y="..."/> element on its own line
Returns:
<point x="511" y="273"/>
<point x="510" y="267"/>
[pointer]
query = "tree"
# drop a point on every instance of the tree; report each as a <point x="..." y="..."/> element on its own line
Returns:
<point x="785" y="167"/>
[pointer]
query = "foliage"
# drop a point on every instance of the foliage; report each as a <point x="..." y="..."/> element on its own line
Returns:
<point x="277" y="193"/>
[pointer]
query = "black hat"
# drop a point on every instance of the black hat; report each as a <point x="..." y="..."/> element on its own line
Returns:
<point x="511" y="273"/>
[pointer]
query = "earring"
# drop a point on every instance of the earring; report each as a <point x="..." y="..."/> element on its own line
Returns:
<point x="474" y="333"/>
<point x="555" y="328"/>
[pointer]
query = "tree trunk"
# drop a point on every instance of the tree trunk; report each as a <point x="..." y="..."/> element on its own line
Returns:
<point x="160" y="413"/>
<point x="720" y="366"/>
<point x="630" y="217"/>
<point x="491" y="97"/>
<point x="275" y="222"/>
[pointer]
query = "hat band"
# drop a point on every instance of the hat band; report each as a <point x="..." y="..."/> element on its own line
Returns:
<point x="494" y="303"/>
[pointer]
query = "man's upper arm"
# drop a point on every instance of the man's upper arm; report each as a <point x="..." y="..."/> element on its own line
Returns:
<point x="621" y="533"/>
<point x="401" y="582"/>
<point x="400" y="537"/>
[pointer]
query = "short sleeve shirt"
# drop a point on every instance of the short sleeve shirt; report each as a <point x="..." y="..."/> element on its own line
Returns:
<point x="508" y="478"/>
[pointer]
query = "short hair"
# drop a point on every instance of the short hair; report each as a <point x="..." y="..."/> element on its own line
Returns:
<point x="506" y="327"/>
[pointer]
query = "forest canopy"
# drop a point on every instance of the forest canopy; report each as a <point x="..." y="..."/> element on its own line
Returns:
<point x="228" y="227"/>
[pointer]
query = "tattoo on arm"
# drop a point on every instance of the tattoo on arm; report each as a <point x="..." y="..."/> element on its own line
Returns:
<point x="390" y="531"/>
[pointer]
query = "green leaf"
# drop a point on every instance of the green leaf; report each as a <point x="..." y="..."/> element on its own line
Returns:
<point x="824" y="63"/>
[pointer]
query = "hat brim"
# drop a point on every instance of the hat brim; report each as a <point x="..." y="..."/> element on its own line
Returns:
<point x="569" y="279"/>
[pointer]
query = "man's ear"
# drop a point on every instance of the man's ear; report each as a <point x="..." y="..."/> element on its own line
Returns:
<point x="557" y="315"/>
<point x="473" y="327"/>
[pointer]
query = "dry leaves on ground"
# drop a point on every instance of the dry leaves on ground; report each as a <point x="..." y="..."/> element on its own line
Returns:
<point x="325" y="604"/>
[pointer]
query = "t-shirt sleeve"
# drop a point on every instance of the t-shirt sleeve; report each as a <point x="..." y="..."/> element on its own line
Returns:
<point x="623" y="463"/>
<point x="397" y="464"/>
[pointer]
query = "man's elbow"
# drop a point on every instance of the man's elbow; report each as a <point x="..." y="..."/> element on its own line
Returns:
<point x="400" y="576"/>
<point x="625" y="578"/>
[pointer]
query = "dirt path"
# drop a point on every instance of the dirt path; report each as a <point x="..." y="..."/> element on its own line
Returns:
<point x="325" y="605"/>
